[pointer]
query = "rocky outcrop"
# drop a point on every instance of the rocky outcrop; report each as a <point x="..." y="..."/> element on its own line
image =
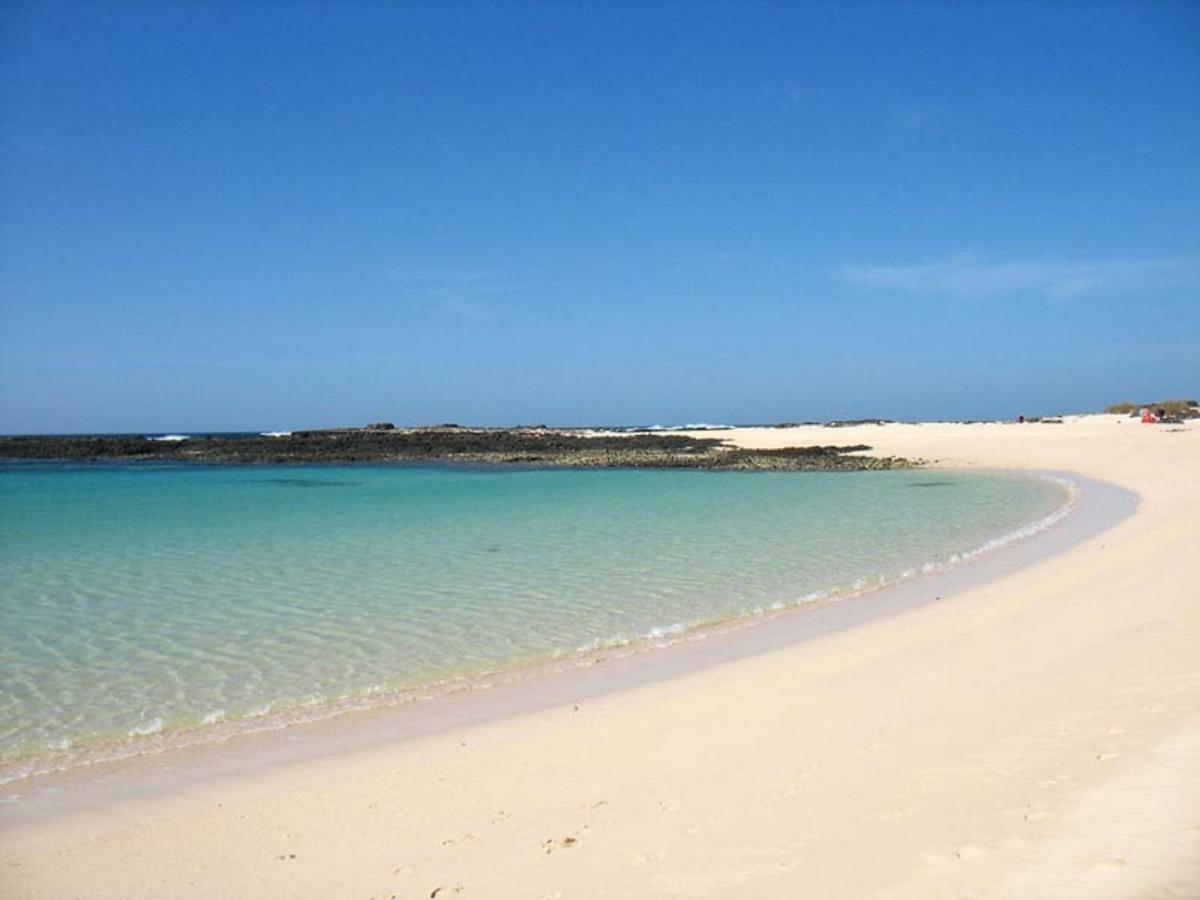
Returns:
<point x="543" y="447"/>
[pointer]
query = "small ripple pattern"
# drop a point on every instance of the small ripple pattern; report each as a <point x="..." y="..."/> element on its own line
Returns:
<point x="142" y="601"/>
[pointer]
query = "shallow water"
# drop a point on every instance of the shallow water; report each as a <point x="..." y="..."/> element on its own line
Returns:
<point x="140" y="604"/>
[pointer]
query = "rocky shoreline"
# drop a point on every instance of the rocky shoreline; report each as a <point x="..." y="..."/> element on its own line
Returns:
<point x="535" y="447"/>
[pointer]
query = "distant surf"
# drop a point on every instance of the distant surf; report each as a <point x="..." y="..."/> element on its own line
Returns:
<point x="691" y="426"/>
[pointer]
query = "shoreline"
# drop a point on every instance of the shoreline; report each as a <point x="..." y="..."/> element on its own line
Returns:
<point x="405" y="700"/>
<point x="532" y="685"/>
<point x="977" y="746"/>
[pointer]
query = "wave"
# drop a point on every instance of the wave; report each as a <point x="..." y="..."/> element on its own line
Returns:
<point x="171" y="437"/>
<point x="689" y="426"/>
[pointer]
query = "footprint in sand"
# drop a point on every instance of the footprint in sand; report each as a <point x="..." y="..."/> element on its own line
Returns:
<point x="696" y="827"/>
<point x="549" y="846"/>
<point x="649" y="856"/>
<point x="970" y="851"/>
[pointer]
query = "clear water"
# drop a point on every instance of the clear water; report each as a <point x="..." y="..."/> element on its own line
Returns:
<point x="141" y="604"/>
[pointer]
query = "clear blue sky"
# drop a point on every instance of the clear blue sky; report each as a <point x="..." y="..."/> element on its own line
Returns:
<point x="259" y="216"/>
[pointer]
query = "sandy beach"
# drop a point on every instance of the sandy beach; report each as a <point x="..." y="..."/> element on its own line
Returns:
<point x="1035" y="735"/>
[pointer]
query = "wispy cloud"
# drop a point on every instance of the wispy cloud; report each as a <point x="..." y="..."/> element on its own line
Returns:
<point x="410" y="276"/>
<point x="910" y="118"/>
<point x="465" y="294"/>
<point x="1134" y="151"/>
<point x="968" y="276"/>
<point x="803" y="93"/>
<point x="478" y="311"/>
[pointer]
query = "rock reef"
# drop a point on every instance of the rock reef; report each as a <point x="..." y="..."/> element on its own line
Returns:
<point x="536" y="447"/>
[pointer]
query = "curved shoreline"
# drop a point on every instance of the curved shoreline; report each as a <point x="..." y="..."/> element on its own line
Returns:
<point x="277" y="716"/>
<point x="1034" y="737"/>
<point x="568" y="680"/>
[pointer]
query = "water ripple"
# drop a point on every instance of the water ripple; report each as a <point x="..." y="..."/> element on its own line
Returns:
<point x="143" y="606"/>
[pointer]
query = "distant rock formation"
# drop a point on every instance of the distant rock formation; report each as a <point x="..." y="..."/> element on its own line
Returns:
<point x="1167" y="410"/>
<point x="382" y="442"/>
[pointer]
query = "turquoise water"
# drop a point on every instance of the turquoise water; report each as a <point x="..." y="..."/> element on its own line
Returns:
<point x="142" y="605"/>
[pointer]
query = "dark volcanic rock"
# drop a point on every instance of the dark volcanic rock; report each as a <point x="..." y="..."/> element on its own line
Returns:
<point x="528" y="447"/>
<point x="83" y="448"/>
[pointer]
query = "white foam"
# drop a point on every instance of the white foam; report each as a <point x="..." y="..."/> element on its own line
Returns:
<point x="618" y="640"/>
<point x="667" y="630"/>
<point x="213" y="717"/>
<point x="660" y="635"/>
<point x="172" y="437"/>
<point x="154" y="727"/>
<point x="275" y="433"/>
<point x="689" y="426"/>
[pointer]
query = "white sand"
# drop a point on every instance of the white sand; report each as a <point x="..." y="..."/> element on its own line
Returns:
<point x="1038" y="736"/>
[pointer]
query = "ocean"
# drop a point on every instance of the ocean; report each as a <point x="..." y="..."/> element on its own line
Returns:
<point x="146" y="606"/>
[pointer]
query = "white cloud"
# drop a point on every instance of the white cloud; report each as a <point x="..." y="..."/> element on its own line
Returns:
<point x="968" y="276"/>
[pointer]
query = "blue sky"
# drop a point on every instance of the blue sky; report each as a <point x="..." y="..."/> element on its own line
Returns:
<point x="259" y="216"/>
